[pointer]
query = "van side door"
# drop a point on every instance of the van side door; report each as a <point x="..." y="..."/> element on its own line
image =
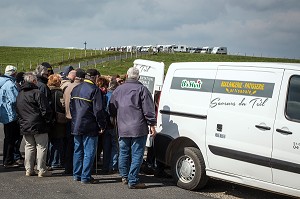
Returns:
<point x="285" y="160"/>
<point x="240" y="121"/>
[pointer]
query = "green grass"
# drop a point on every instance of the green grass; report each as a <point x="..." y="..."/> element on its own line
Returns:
<point x="26" y="58"/>
<point x="120" y="67"/>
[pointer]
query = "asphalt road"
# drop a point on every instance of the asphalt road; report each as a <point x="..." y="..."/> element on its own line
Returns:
<point x="15" y="185"/>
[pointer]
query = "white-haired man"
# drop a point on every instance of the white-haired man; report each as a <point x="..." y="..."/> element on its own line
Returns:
<point x="133" y="105"/>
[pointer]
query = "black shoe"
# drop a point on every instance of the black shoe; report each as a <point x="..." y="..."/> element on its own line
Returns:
<point x="91" y="181"/>
<point x="13" y="165"/>
<point x="162" y="174"/>
<point x="137" y="186"/>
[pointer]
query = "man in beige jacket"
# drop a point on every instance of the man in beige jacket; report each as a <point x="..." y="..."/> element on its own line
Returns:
<point x="69" y="142"/>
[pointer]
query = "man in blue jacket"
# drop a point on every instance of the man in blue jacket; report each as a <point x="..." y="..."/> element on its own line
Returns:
<point x="8" y="93"/>
<point x="133" y="105"/>
<point x="88" y="120"/>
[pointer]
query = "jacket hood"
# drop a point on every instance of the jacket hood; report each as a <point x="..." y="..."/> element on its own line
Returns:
<point x="4" y="78"/>
<point x="28" y="86"/>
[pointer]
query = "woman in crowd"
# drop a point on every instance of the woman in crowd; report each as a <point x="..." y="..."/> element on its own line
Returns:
<point x="55" y="152"/>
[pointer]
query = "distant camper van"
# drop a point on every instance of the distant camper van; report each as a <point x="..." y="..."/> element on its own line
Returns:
<point x="206" y="50"/>
<point x="238" y="122"/>
<point x="219" y="50"/>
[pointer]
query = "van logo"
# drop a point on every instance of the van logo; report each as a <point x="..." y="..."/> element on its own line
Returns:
<point x="258" y="89"/>
<point x="191" y="84"/>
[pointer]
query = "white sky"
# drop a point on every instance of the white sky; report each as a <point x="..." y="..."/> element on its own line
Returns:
<point x="269" y="28"/>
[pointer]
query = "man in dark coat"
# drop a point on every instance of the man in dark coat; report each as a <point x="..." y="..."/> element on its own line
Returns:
<point x="88" y="120"/>
<point x="34" y="114"/>
<point x="133" y="105"/>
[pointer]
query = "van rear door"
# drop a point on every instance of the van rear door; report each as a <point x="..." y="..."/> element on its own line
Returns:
<point x="285" y="161"/>
<point x="151" y="74"/>
<point x="240" y="121"/>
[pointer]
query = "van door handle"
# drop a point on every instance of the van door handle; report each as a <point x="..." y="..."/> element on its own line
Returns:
<point x="284" y="132"/>
<point x="263" y="127"/>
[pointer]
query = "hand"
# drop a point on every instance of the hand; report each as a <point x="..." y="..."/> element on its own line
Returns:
<point x="152" y="131"/>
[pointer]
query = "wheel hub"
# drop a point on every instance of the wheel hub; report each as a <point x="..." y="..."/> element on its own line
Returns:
<point x="185" y="169"/>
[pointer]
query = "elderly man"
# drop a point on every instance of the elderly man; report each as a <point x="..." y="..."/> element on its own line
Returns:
<point x="8" y="93"/>
<point x="35" y="116"/>
<point x="133" y="105"/>
<point x="88" y="120"/>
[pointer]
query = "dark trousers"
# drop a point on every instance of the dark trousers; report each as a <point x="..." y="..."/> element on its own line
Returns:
<point x="69" y="149"/>
<point x="11" y="135"/>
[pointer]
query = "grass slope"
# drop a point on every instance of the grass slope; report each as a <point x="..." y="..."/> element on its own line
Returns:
<point x="27" y="58"/>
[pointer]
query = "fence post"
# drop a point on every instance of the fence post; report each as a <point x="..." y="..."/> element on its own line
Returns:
<point x="30" y="66"/>
<point x="95" y="63"/>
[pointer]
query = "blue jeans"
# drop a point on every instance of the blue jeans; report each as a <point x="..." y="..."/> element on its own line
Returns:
<point x="84" y="155"/>
<point x="110" y="150"/>
<point x="131" y="157"/>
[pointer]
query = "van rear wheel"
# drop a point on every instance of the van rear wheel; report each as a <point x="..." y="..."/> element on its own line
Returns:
<point x="188" y="169"/>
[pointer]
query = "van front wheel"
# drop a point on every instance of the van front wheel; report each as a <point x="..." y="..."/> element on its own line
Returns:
<point x="188" y="169"/>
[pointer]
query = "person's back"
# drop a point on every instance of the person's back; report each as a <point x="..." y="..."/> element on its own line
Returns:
<point x="133" y="106"/>
<point x="88" y="120"/>
<point x="35" y="116"/>
<point x="86" y="109"/>
<point x="8" y="93"/>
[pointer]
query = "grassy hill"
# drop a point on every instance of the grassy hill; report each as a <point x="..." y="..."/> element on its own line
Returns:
<point x="26" y="59"/>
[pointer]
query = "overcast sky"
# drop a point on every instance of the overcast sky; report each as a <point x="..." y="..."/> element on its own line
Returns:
<point x="269" y="28"/>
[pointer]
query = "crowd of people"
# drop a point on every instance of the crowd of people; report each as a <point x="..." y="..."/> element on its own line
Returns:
<point x="69" y="119"/>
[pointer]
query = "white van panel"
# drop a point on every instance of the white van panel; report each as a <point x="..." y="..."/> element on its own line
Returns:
<point x="241" y="100"/>
<point x="286" y="147"/>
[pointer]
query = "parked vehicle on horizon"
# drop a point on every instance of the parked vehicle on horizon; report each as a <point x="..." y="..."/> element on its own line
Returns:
<point x="206" y="50"/>
<point x="219" y="50"/>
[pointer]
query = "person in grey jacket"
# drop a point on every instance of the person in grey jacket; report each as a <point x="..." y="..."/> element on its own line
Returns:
<point x="133" y="106"/>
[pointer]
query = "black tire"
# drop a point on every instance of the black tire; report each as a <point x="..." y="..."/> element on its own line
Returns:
<point x="188" y="169"/>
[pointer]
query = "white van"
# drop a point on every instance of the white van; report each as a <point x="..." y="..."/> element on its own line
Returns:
<point x="238" y="122"/>
<point x="206" y="50"/>
<point x="219" y="50"/>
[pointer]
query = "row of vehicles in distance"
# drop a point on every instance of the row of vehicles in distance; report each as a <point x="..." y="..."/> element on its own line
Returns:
<point x="234" y="121"/>
<point x="169" y="49"/>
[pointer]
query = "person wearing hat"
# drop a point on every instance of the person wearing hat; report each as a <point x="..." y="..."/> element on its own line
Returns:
<point x="49" y="68"/>
<point x="9" y="93"/>
<point x="69" y="141"/>
<point x="68" y="76"/>
<point x="88" y="120"/>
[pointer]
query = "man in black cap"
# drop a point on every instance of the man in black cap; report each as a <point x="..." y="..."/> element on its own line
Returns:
<point x="49" y="68"/>
<point x="88" y="120"/>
